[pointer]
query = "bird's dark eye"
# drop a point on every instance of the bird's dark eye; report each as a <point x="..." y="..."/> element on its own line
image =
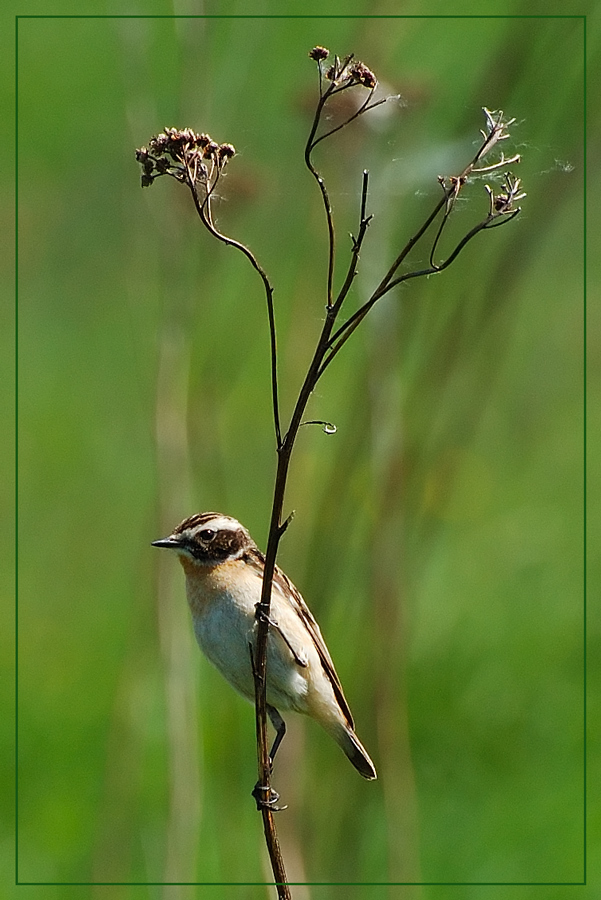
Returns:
<point x="207" y="534"/>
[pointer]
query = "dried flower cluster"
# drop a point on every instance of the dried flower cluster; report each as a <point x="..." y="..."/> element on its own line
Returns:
<point x="505" y="202"/>
<point x="344" y="73"/>
<point x="319" y="53"/>
<point x="181" y="154"/>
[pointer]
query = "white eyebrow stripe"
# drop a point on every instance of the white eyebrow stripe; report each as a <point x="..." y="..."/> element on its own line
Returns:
<point x="220" y="523"/>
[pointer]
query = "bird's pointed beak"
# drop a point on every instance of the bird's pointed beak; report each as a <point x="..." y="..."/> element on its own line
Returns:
<point x="168" y="543"/>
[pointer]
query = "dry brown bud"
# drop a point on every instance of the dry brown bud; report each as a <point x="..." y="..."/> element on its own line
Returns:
<point x="226" y="151"/>
<point x="159" y="143"/>
<point x="318" y="53"/>
<point x="360" y="73"/>
<point x="210" y="150"/>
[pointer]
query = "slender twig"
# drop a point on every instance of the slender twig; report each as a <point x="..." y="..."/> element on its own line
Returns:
<point x="324" y="193"/>
<point x="345" y="331"/>
<point x="343" y="78"/>
<point x="208" y="221"/>
<point x="501" y="210"/>
<point x="264" y="766"/>
<point x="260" y="663"/>
<point x="365" y="107"/>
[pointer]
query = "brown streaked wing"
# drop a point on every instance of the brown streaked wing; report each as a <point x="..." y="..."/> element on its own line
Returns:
<point x="257" y="560"/>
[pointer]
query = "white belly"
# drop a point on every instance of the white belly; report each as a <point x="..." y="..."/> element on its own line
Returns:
<point x="225" y="630"/>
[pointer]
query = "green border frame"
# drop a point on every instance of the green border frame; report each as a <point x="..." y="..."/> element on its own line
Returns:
<point x="293" y="883"/>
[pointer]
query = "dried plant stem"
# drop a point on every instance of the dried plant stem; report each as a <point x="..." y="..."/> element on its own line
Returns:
<point x="264" y="766"/>
<point x="259" y="659"/>
<point x="203" y="209"/>
<point x="197" y="161"/>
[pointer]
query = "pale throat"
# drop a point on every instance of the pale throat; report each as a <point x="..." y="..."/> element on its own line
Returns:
<point x="206" y="584"/>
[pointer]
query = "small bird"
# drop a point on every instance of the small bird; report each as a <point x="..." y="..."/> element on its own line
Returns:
<point x="224" y="574"/>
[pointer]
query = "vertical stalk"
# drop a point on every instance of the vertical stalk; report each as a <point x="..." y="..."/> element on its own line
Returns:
<point x="195" y="159"/>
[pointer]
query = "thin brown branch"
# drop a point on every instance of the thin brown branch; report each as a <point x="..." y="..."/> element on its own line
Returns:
<point x="208" y="222"/>
<point x="345" y="331"/>
<point x="266" y="805"/>
<point x="357" y="244"/>
<point x="363" y="108"/>
<point x="324" y="195"/>
<point x="194" y="159"/>
<point x="342" y="75"/>
<point x="501" y="209"/>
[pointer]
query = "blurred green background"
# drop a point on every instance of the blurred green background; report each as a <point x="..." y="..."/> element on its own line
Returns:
<point x="438" y="534"/>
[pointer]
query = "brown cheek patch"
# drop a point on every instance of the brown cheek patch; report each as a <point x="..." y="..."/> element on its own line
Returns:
<point x="227" y="543"/>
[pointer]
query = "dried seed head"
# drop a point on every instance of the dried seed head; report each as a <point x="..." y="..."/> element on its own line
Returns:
<point x="210" y="150"/>
<point x="319" y="53"/>
<point x="159" y="143"/>
<point x="360" y="73"/>
<point x="226" y="151"/>
<point x="179" y="152"/>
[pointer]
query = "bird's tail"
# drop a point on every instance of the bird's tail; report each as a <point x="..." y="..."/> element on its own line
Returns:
<point x="356" y="752"/>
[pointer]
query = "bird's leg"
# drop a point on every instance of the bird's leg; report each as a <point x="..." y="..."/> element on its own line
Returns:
<point x="266" y="797"/>
<point x="280" y="727"/>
